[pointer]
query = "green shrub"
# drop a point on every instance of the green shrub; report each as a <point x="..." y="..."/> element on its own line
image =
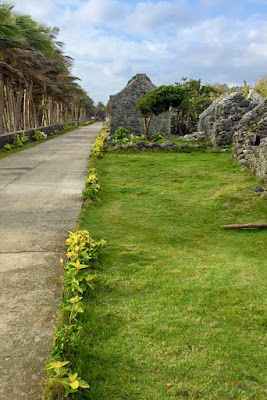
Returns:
<point x="121" y="135"/>
<point x="7" y="147"/>
<point x="91" y="185"/>
<point x="156" y="136"/>
<point x="87" y="123"/>
<point x="24" y="139"/>
<point x="37" y="136"/>
<point x="17" y="142"/>
<point x="99" y="145"/>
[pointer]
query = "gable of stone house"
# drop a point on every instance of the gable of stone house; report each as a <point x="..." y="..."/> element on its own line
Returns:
<point x="123" y="112"/>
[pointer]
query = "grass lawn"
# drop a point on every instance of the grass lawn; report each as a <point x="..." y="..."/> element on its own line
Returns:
<point x="178" y="308"/>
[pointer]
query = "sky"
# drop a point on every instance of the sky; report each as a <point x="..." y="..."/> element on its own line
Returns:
<point x="222" y="41"/>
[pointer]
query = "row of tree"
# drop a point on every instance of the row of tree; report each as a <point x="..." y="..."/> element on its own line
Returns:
<point x="36" y="85"/>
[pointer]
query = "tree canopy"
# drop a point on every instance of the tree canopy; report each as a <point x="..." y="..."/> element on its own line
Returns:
<point x="158" y="101"/>
<point x="36" y="85"/>
<point x="187" y="98"/>
<point x="261" y="86"/>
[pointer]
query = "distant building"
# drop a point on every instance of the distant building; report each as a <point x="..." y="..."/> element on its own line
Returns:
<point x="121" y="109"/>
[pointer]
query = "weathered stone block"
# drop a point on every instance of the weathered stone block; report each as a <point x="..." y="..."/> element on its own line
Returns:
<point x="219" y="121"/>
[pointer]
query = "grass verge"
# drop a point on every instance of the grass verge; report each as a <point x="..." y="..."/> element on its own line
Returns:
<point x="178" y="309"/>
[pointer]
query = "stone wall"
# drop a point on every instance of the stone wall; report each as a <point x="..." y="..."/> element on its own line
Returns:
<point x="8" y="138"/>
<point x="250" y="141"/>
<point x="220" y="120"/>
<point x="206" y="118"/>
<point x="122" y="108"/>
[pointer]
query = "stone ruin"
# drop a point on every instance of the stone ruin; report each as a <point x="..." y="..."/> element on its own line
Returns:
<point x="232" y="119"/>
<point x="220" y="120"/>
<point x="121" y="109"/>
<point x="250" y="141"/>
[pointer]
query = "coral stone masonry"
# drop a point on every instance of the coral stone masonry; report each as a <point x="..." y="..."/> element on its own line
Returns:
<point x="220" y="120"/>
<point x="122" y="108"/>
<point x="250" y="141"/>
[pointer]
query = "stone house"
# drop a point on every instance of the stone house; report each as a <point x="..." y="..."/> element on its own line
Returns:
<point x="121" y="108"/>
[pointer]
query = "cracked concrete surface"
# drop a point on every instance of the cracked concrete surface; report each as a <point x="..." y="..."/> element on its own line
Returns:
<point x="40" y="200"/>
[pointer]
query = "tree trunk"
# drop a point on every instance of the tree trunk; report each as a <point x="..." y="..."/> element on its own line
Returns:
<point x="146" y="125"/>
<point x="244" y="226"/>
<point x="1" y="102"/>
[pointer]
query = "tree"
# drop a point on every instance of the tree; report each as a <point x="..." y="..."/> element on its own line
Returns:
<point x="36" y="85"/>
<point x="100" y="111"/>
<point x="196" y="98"/>
<point x="158" y="101"/>
<point x="261" y="86"/>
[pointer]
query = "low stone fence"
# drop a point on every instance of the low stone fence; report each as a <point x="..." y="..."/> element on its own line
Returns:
<point x="254" y="158"/>
<point x="166" y="146"/>
<point x="9" y="137"/>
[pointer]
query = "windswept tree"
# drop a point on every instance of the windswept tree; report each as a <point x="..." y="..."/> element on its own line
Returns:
<point x="196" y="98"/>
<point x="36" y="85"/>
<point x="158" y="101"/>
<point x="261" y="86"/>
<point x="100" y="111"/>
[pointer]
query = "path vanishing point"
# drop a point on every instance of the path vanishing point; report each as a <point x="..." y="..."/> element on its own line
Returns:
<point x="40" y="200"/>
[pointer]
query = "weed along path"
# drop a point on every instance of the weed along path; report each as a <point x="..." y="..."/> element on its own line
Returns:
<point x="40" y="200"/>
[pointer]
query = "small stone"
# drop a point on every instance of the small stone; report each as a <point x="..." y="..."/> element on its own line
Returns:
<point x="226" y="204"/>
<point x="258" y="189"/>
<point x="44" y="135"/>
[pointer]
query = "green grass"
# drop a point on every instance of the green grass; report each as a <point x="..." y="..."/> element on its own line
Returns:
<point x="178" y="309"/>
<point x="31" y="143"/>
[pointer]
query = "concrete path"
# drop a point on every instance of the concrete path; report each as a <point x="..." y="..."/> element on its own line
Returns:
<point x="40" y="200"/>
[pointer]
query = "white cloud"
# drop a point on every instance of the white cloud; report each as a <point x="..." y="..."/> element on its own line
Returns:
<point x="111" y="40"/>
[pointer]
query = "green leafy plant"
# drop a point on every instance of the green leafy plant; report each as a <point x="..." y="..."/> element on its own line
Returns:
<point x="121" y="135"/>
<point x="7" y="147"/>
<point x="17" y="142"/>
<point x="24" y="139"/>
<point x="91" y="185"/>
<point x="156" y="136"/>
<point x="99" y="145"/>
<point x="65" y="339"/>
<point x="37" y="136"/>
<point x="87" y="123"/>
<point x="63" y="376"/>
<point x="81" y="252"/>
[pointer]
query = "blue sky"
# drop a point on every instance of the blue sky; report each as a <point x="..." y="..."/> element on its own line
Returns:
<point x="111" y="40"/>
